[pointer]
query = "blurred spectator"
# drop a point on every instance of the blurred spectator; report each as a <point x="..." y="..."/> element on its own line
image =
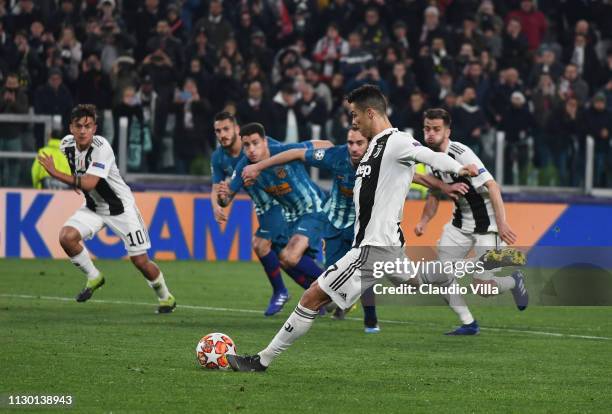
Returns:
<point x="373" y="33"/>
<point x="93" y="37"/>
<point x="289" y="123"/>
<point x="598" y="122"/>
<point x="532" y="21"/>
<point x="469" y="122"/>
<point x="70" y="49"/>
<point x="36" y="41"/>
<point x="509" y="82"/>
<point x="164" y="41"/>
<point x="401" y="84"/>
<point x="231" y="52"/>
<point x="138" y="133"/>
<point x="53" y="98"/>
<point x="475" y="78"/>
<point x="566" y="133"/>
<point x="193" y="136"/>
<point x="217" y="27"/>
<point x="432" y="62"/>
<point x="225" y="88"/>
<point x="143" y="25"/>
<point x="342" y="13"/>
<point x="545" y="101"/>
<point x="260" y="51"/>
<point x="411" y="117"/>
<point x="254" y="72"/>
<point x="390" y="56"/>
<point x="329" y="49"/>
<point x="313" y="111"/>
<point x="515" y="46"/>
<point x="94" y="86"/>
<point x="201" y="49"/>
<point x="28" y="13"/>
<point x="546" y="62"/>
<point x="24" y="63"/>
<point x="116" y="43"/>
<point x="493" y="41"/>
<point x="336" y="87"/>
<point x="321" y="89"/>
<point x="123" y="74"/>
<point x="177" y="28"/>
<point x="572" y="85"/>
<point x="370" y="76"/>
<point x="469" y="33"/>
<point x="518" y="124"/>
<point x="149" y="101"/>
<point x="256" y="107"/>
<point x="400" y="37"/>
<point x="66" y="15"/>
<point x="13" y="100"/>
<point x="445" y="88"/>
<point x="432" y="28"/>
<point x="357" y="59"/>
<point x="487" y="63"/>
<point x="487" y="19"/>
<point x="40" y="177"/>
<point x="582" y="54"/>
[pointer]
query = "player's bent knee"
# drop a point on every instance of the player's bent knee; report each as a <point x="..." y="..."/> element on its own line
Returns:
<point x="69" y="237"/>
<point x="314" y="297"/>
<point x="261" y="246"/>
<point x="289" y="258"/>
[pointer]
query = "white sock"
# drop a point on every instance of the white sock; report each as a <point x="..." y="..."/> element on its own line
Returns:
<point x="298" y="324"/>
<point x="504" y="283"/>
<point x="83" y="262"/>
<point x="457" y="303"/>
<point x="159" y="286"/>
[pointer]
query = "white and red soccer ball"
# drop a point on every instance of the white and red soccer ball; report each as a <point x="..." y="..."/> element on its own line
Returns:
<point x="212" y="351"/>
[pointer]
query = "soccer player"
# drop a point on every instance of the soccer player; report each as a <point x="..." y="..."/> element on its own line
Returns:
<point x="290" y="185"/>
<point x="383" y="179"/>
<point x="342" y="162"/>
<point x="479" y="220"/>
<point x="108" y="202"/>
<point x="271" y="236"/>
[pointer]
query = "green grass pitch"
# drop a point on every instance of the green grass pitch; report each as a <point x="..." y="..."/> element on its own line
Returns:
<point x="114" y="354"/>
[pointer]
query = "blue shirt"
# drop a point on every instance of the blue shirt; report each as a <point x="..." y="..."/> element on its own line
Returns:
<point x="337" y="160"/>
<point x="223" y="165"/>
<point x="289" y="184"/>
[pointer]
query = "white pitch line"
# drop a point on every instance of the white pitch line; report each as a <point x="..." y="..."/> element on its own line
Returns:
<point x="215" y="309"/>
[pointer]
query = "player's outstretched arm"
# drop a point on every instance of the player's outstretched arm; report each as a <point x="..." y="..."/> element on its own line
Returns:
<point x="85" y="182"/>
<point x="250" y="172"/>
<point x="218" y="211"/>
<point x="454" y="191"/>
<point x="429" y="212"/>
<point x="504" y="230"/>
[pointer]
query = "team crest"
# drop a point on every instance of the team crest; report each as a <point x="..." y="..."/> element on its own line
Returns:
<point x="377" y="151"/>
<point x="281" y="173"/>
<point x="319" y="154"/>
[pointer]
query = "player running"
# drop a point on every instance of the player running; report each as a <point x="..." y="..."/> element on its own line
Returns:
<point x="342" y="162"/>
<point x="271" y="236"/>
<point x="301" y="199"/>
<point x="108" y="202"/>
<point x="479" y="220"/>
<point x="383" y="179"/>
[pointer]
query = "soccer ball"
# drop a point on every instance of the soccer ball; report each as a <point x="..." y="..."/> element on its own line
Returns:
<point x="212" y="349"/>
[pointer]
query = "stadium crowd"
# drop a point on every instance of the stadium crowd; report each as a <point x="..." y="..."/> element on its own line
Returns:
<point x="539" y="71"/>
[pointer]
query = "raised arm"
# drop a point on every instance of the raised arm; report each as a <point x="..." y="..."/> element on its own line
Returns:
<point x="454" y="191"/>
<point x="251" y="172"/>
<point x="86" y="182"/>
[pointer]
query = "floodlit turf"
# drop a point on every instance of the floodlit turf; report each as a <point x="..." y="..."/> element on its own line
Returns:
<point x="114" y="354"/>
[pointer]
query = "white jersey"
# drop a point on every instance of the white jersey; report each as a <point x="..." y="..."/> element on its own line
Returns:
<point x="111" y="195"/>
<point x="473" y="212"/>
<point x="383" y="179"/>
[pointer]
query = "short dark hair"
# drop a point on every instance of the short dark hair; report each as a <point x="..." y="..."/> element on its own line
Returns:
<point x="223" y="115"/>
<point x="252" y="128"/>
<point x="84" y="111"/>
<point x="368" y="96"/>
<point x="438" y="113"/>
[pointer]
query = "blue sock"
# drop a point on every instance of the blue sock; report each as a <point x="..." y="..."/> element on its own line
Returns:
<point x="271" y="266"/>
<point x="309" y="267"/>
<point x="369" y="309"/>
<point x="298" y="277"/>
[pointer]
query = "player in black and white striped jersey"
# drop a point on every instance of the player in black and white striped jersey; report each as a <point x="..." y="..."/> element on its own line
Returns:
<point x="382" y="182"/>
<point x="479" y="219"/>
<point x="108" y="202"/>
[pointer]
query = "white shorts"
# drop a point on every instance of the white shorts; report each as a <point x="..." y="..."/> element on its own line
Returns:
<point x="346" y="280"/>
<point x="129" y="226"/>
<point x="456" y="245"/>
